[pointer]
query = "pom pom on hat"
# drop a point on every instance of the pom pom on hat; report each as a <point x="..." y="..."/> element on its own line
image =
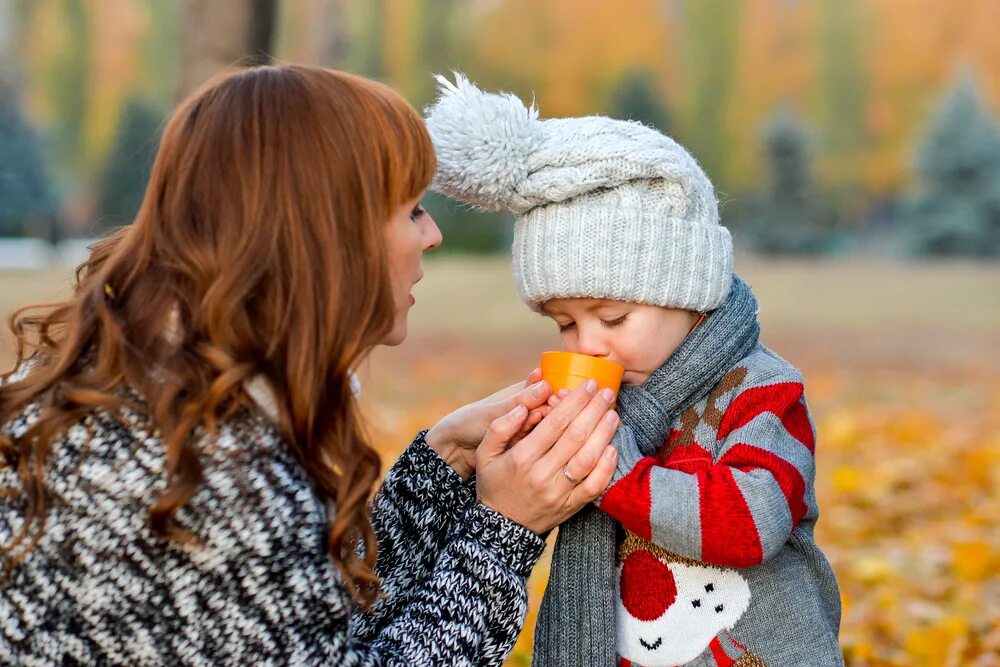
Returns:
<point x="483" y="142"/>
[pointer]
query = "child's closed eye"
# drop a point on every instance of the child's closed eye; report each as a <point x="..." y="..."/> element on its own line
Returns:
<point x="617" y="322"/>
<point x="563" y="328"/>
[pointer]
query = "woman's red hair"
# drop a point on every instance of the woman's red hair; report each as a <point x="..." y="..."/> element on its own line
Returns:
<point x="259" y="249"/>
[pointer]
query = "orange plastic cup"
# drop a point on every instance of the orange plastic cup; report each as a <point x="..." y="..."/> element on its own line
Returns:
<point x="568" y="370"/>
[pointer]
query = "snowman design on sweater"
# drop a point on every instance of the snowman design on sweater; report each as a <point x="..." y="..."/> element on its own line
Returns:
<point x="675" y="611"/>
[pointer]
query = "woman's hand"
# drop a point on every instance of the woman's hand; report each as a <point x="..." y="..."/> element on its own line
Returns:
<point x="456" y="437"/>
<point x="551" y="473"/>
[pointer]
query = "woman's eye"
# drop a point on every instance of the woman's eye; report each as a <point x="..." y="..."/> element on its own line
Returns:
<point x="618" y="321"/>
<point x="417" y="212"/>
<point x="563" y="328"/>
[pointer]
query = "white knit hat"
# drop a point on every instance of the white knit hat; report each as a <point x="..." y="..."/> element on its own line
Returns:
<point x="605" y="208"/>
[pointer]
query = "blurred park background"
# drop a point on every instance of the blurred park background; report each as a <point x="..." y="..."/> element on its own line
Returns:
<point x="855" y="145"/>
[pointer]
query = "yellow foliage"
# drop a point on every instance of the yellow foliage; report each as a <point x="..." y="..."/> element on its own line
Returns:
<point x="973" y="561"/>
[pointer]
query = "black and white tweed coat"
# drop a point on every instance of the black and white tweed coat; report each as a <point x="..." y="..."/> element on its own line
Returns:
<point x="100" y="589"/>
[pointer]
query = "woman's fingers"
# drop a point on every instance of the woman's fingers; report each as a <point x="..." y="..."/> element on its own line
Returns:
<point x="583" y="462"/>
<point x="557" y="396"/>
<point x="552" y="427"/>
<point x="499" y="434"/>
<point x="578" y="434"/>
<point x="597" y="481"/>
<point x="534" y="417"/>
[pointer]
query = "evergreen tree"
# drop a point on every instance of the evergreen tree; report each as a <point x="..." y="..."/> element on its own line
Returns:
<point x="469" y="230"/>
<point x="27" y="201"/>
<point x="955" y="208"/>
<point x="789" y="217"/>
<point x="128" y="164"/>
<point x="635" y="98"/>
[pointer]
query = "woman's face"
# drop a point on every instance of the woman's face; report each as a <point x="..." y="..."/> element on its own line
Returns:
<point x="411" y="231"/>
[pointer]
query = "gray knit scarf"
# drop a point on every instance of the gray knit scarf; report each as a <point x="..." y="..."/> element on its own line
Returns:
<point x="576" y="622"/>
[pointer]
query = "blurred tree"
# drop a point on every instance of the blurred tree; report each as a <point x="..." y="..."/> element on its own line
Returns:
<point x="467" y="229"/>
<point x="317" y="32"/>
<point x="841" y="82"/>
<point x="569" y="54"/>
<point x="216" y="34"/>
<point x="159" y="61"/>
<point x="710" y="37"/>
<point x="128" y="165"/>
<point x="789" y="217"/>
<point x="68" y="83"/>
<point x="370" y="56"/>
<point x="955" y="209"/>
<point x="775" y="65"/>
<point x="27" y="203"/>
<point x="636" y="98"/>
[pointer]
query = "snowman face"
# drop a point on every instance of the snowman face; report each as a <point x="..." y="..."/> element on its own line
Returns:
<point x="668" y="613"/>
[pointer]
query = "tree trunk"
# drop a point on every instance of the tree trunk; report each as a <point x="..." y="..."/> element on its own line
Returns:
<point x="219" y="34"/>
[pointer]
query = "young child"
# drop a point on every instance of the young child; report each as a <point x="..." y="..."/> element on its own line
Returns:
<point x="702" y="550"/>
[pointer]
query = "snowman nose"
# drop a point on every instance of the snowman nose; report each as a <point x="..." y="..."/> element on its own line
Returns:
<point x="647" y="586"/>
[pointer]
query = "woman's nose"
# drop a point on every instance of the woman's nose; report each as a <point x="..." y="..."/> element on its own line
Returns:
<point x="432" y="234"/>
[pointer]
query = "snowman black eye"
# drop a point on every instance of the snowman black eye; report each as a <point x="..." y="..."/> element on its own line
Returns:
<point x="695" y="603"/>
<point x="718" y="610"/>
<point x="709" y="587"/>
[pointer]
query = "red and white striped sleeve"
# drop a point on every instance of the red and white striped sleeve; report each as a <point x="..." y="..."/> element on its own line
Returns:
<point x="738" y="509"/>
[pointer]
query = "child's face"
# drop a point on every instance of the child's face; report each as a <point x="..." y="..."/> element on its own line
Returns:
<point x="639" y="337"/>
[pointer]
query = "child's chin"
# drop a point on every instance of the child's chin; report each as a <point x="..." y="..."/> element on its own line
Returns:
<point x="632" y="379"/>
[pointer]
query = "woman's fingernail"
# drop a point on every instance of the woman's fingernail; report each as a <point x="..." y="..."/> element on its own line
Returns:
<point x="563" y="393"/>
<point x="611" y="417"/>
<point x="538" y="389"/>
<point x="607" y="395"/>
<point x="591" y="386"/>
<point x="517" y="411"/>
<point x="610" y="453"/>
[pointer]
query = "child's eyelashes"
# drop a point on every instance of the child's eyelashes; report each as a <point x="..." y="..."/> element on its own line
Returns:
<point x="417" y="212"/>
<point x="607" y="324"/>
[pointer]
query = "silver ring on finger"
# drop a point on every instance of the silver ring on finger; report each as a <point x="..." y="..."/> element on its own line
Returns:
<point x="567" y="475"/>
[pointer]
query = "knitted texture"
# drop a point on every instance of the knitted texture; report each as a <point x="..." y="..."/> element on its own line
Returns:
<point x="722" y="517"/>
<point x="585" y="548"/>
<point x="99" y="588"/>
<point x="605" y="208"/>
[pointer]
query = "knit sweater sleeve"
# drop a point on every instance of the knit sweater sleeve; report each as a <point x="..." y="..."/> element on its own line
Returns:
<point x="452" y="572"/>
<point x="470" y="609"/>
<point x="414" y="512"/>
<point x="736" y="508"/>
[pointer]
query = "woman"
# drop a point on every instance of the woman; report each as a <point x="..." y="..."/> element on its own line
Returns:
<point x="185" y="472"/>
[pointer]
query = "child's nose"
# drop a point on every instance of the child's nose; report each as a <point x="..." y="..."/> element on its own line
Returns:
<point x="591" y="344"/>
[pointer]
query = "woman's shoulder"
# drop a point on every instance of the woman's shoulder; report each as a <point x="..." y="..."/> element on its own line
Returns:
<point x="114" y="467"/>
